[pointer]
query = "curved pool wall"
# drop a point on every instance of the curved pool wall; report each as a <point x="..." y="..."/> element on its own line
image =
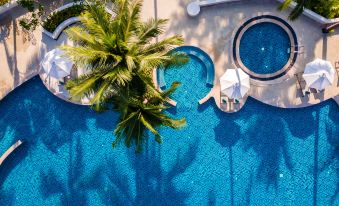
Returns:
<point x="261" y="155"/>
<point x="196" y="53"/>
<point x="255" y="22"/>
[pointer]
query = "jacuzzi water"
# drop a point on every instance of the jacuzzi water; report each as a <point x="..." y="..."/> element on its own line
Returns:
<point x="264" y="48"/>
<point x="261" y="155"/>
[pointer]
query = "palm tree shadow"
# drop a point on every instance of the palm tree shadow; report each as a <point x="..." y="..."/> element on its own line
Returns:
<point x="212" y="198"/>
<point x="6" y="197"/>
<point x="153" y="185"/>
<point x="250" y="126"/>
<point x="227" y="134"/>
<point x="39" y="116"/>
<point x="270" y="144"/>
<point x="333" y="140"/>
<point x="75" y="189"/>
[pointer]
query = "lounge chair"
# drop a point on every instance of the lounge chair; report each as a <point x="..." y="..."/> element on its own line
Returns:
<point x="314" y="91"/>
<point x="301" y="85"/>
<point x="336" y="66"/>
<point x="301" y="49"/>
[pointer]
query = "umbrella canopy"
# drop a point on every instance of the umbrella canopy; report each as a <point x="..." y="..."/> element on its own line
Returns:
<point x="56" y="65"/>
<point x="235" y="83"/>
<point x="319" y="74"/>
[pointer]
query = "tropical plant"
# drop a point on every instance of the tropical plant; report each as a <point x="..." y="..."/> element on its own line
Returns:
<point x="137" y="116"/>
<point x="55" y="19"/>
<point x="3" y="2"/>
<point x="119" y="53"/>
<point x="35" y="10"/>
<point x="327" y="8"/>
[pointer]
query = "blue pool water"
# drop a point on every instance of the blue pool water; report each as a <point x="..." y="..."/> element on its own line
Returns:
<point x="264" y="48"/>
<point x="261" y="155"/>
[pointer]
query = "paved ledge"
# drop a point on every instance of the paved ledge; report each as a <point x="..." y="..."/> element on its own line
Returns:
<point x="9" y="151"/>
<point x="213" y="29"/>
<point x="336" y="99"/>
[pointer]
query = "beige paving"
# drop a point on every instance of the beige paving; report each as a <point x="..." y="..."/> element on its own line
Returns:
<point x="212" y="31"/>
<point x="20" y="52"/>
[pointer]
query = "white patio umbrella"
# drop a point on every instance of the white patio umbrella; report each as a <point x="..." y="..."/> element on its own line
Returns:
<point x="55" y="65"/>
<point x="235" y="83"/>
<point x="319" y="74"/>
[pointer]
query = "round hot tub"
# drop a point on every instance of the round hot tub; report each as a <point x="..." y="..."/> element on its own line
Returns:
<point x="265" y="47"/>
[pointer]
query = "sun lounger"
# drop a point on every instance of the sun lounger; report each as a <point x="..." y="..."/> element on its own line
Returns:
<point x="314" y="91"/>
<point x="301" y="85"/>
<point x="299" y="49"/>
<point x="336" y="65"/>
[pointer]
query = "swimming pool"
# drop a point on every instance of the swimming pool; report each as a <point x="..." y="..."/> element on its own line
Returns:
<point x="265" y="47"/>
<point x="261" y="155"/>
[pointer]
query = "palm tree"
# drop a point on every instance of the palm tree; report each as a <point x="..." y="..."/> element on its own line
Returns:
<point x="297" y="11"/>
<point x="119" y="53"/>
<point x="327" y="8"/>
<point x="137" y="116"/>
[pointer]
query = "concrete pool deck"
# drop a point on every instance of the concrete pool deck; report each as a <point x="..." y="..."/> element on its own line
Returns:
<point x="212" y="31"/>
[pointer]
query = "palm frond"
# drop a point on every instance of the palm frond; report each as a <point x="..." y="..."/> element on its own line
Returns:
<point x="79" y="88"/>
<point x="151" y="29"/>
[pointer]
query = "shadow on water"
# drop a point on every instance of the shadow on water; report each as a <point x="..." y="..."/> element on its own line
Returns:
<point x="266" y="135"/>
<point x="6" y="197"/>
<point x="251" y="127"/>
<point x="203" y="107"/>
<point x="46" y="121"/>
<point x="153" y="185"/>
<point x="227" y="134"/>
<point x="73" y="190"/>
<point x="12" y="161"/>
<point x="333" y="153"/>
<point x="34" y="115"/>
<point x="212" y="198"/>
<point x="248" y="191"/>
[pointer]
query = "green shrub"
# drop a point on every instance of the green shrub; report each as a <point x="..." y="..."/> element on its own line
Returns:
<point x="3" y="2"/>
<point x="53" y="20"/>
<point x="326" y="8"/>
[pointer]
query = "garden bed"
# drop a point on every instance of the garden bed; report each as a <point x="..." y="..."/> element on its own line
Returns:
<point x="3" y="2"/>
<point x="313" y="15"/>
<point x="56" y="18"/>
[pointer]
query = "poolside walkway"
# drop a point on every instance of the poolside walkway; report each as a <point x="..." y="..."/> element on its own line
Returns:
<point x="21" y="52"/>
<point x="211" y="31"/>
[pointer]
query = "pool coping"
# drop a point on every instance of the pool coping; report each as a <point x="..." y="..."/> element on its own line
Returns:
<point x="238" y="33"/>
<point x="210" y="68"/>
<point x="10" y="150"/>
